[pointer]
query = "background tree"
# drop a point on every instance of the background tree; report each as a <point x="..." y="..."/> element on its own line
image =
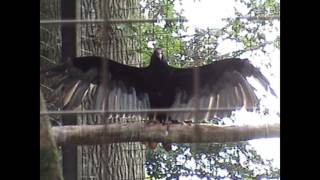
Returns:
<point x="235" y="161"/>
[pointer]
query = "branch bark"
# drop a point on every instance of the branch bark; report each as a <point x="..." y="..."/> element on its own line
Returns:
<point x="174" y="133"/>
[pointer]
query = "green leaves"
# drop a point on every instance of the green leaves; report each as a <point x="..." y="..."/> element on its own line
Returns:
<point x="276" y="43"/>
<point x="236" y="27"/>
<point x="237" y="161"/>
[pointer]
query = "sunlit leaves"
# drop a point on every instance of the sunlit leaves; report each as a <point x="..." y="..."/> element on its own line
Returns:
<point x="236" y="26"/>
<point x="234" y="161"/>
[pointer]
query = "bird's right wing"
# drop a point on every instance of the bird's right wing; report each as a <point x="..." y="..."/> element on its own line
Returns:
<point x="83" y="78"/>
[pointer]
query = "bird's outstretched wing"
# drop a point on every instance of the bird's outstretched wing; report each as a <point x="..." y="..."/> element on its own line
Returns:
<point x="83" y="76"/>
<point x="221" y="85"/>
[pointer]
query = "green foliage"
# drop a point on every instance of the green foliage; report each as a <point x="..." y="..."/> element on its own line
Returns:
<point x="235" y="161"/>
<point x="48" y="159"/>
<point x="163" y="34"/>
<point x="276" y="43"/>
<point x="262" y="8"/>
<point x="248" y="34"/>
<point x="236" y="27"/>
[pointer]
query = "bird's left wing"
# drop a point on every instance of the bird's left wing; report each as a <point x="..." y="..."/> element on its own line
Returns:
<point x="221" y="85"/>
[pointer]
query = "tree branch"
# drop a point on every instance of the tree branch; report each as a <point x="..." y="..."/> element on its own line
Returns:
<point x="178" y="133"/>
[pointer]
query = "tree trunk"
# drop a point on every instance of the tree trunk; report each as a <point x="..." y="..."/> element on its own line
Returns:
<point x="118" y="160"/>
<point x="69" y="50"/>
<point x="115" y="161"/>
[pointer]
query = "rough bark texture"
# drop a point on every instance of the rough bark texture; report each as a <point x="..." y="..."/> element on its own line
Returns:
<point x="113" y="161"/>
<point x="50" y="48"/>
<point x="49" y="159"/>
<point x="69" y="50"/>
<point x="118" y="160"/>
<point x="50" y="54"/>
<point x="133" y="132"/>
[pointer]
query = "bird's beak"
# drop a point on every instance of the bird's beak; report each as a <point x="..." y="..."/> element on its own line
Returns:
<point x="159" y="52"/>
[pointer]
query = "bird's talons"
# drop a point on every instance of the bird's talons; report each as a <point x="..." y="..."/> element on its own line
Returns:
<point x="188" y="122"/>
<point x="174" y="121"/>
<point x="152" y="121"/>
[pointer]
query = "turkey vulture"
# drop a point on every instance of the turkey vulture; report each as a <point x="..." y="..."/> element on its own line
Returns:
<point x="221" y="84"/>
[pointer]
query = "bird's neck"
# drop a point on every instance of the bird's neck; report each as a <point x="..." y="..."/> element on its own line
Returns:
<point x="156" y="62"/>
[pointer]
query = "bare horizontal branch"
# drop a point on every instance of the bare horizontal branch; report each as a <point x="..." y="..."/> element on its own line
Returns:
<point x="146" y="132"/>
<point x="142" y="111"/>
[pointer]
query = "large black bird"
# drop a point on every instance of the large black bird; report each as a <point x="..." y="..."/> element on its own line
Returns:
<point x="221" y="84"/>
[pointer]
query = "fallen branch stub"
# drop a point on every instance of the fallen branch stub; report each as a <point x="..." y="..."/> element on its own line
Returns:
<point x="174" y="133"/>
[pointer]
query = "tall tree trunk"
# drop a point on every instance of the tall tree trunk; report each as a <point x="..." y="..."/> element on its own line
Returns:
<point x="69" y="50"/>
<point x="118" y="160"/>
<point x="114" y="161"/>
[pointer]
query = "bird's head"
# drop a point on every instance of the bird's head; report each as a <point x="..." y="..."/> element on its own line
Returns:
<point x="157" y="58"/>
<point x="157" y="54"/>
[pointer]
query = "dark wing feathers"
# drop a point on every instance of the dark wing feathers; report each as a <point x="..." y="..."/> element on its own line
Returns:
<point x="249" y="70"/>
<point x="85" y="71"/>
<point x="98" y="97"/>
<point x="223" y="82"/>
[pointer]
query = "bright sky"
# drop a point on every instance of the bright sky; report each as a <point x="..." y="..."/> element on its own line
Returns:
<point x="209" y="13"/>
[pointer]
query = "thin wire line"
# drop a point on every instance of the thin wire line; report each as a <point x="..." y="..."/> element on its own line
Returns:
<point x="111" y="21"/>
<point x="126" y="21"/>
<point x="171" y="110"/>
<point x="261" y="18"/>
